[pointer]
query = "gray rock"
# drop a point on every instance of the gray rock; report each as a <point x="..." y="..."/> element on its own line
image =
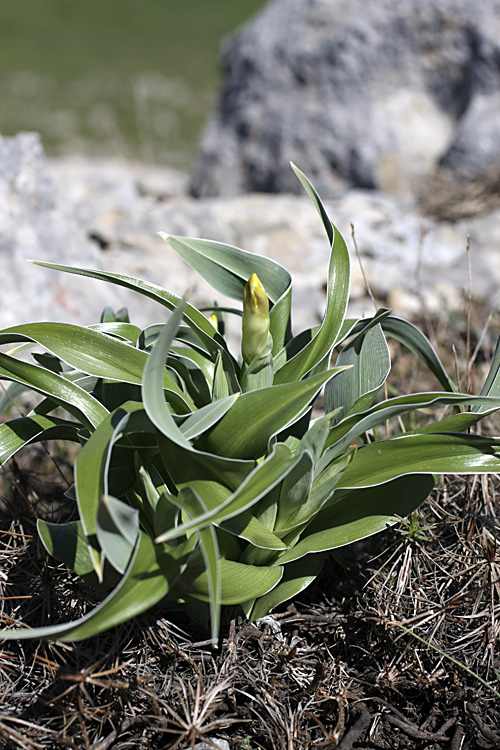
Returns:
<point x="475" y="148"/>
<point x="106" y="216"/>
<point x="221" y="744"/>
<point x="356" y="93"/>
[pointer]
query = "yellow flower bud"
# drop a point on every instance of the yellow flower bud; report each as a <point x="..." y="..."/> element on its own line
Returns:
<point x="255" y="331"/>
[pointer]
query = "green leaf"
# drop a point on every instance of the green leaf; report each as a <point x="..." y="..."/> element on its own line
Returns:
<point x="189" y="501"/>
<point x="152" y="383"/>
<point x="153" y="571"/>
<point x="206" y="417"/>
<point x="296" y="577"/>
<point x="240" y="522"/>
<point x="236" y="578"/>
<point x="117" y="531"/>
<point x="91" y="474"/>
<point x="354" y="425"/>
<point x="411" y="337"/>
<point x="67" y="543"/>
<point x="182" y="466"/>
<point x="491" y="385"/>
<point x="294" y="492"/>
<point x="434" y="453"/>
<point x="253" y="488"/>
<point x="258" y="374"/>
<point x="205" y="331"/>
<point x="245" y="431"/>
<point x="220" y="388"/>
<point x="356" y="514"/>
<point x="26" y="430"/>
<point x="70" y="396"/>
<point x="322" y="342"/>
<point x="228" y="269"/>
<point x="356" y="388"/>
<point x="125" y="331"/>
<point x="94" y="353"/>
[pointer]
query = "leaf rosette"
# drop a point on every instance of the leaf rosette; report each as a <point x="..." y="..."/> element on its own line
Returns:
<point x="213" y="480"/>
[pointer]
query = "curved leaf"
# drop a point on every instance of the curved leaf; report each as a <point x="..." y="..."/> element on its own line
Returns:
<point x="70" y="396"/>
<point x="297" y="576"/>
<point x="205" y="331"/>
<point x="236" y="578"/>
<point x="337" y="295"/>
<point x="245" y="431"/>
<point x="92" y="352"/>
<point x="22" y="431"/>
<point x="356" y="514"/>
<point x="153" y="571"/>
<point x="228" y="269"/>
<point x="356" y="388"/>
<point x="434" y="453"/>
<point x="153" y="379"/>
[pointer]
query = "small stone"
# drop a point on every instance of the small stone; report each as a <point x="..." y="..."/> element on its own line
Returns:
<point x="221" y="744"/>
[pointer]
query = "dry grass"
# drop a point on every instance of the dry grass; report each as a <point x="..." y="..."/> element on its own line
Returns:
<point x="334" y="669"/>
<point x="447" y="197"/>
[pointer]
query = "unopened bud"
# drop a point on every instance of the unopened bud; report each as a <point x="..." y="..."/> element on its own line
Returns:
<point x="255" y="331"/>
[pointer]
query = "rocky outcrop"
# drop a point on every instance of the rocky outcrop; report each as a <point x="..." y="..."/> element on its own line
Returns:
<point x="361" y="94"/>
<point x="107" y="215"/>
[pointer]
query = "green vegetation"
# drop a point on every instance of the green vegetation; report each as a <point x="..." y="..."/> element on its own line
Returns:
<point x="127" y="76"/>
<point x="211" y="479"/>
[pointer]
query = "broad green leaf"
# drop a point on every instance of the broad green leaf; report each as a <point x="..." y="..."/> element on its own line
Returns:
<point x="253" y="488"/>
<point x="354" y="326"/>
<point x="94" y="353"/>
<point x="22" y="431"/>
<point x="434" y="453"/>
<point x="70" y="396"/>
<point x="322" y="343"/>
<point x="242" y="523"/>
<point x="354" y="425"/>
<point x="182" y="466"/>
<point x="294" y="492"/>
<point x="337" y="295"/>
<point x="356" y="514"/>
<point x="206" y="332"/>
<point x="245" y="431"/>
<point x="191" y="378"/>
<point x="153" y="571"/>
<point x="67" y="543"/>
<point x="409" y="335"/>
<point x="296" y="577"/>
<point x="236" y="578"/>
<point x="117" y="531"/>
<point x="91" y="474"/>
<point x="258" y="374"/>
<point x="315" y="438"/>
<point x="220" y="387"/>
<point x="323" y="486"/>
<point x="491" y="385"/>
<point x="124" y="331"/>
<point x="356" y="388"/>
<point x="228" y="269"/>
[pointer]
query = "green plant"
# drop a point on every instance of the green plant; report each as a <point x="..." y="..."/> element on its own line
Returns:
<point x="208" y="480"/>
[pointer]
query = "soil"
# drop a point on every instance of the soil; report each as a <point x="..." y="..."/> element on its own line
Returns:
<point x="394" y="647"/>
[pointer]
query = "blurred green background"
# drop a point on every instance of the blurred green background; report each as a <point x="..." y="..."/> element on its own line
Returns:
<point x="130" y="78"/>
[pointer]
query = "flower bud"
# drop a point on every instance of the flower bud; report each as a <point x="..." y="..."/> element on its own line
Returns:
<point x="255" y="332"/>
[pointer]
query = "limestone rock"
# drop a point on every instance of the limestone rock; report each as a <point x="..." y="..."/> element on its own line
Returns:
<point x="106" y="216"/>
<point x="359" y="94"/>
